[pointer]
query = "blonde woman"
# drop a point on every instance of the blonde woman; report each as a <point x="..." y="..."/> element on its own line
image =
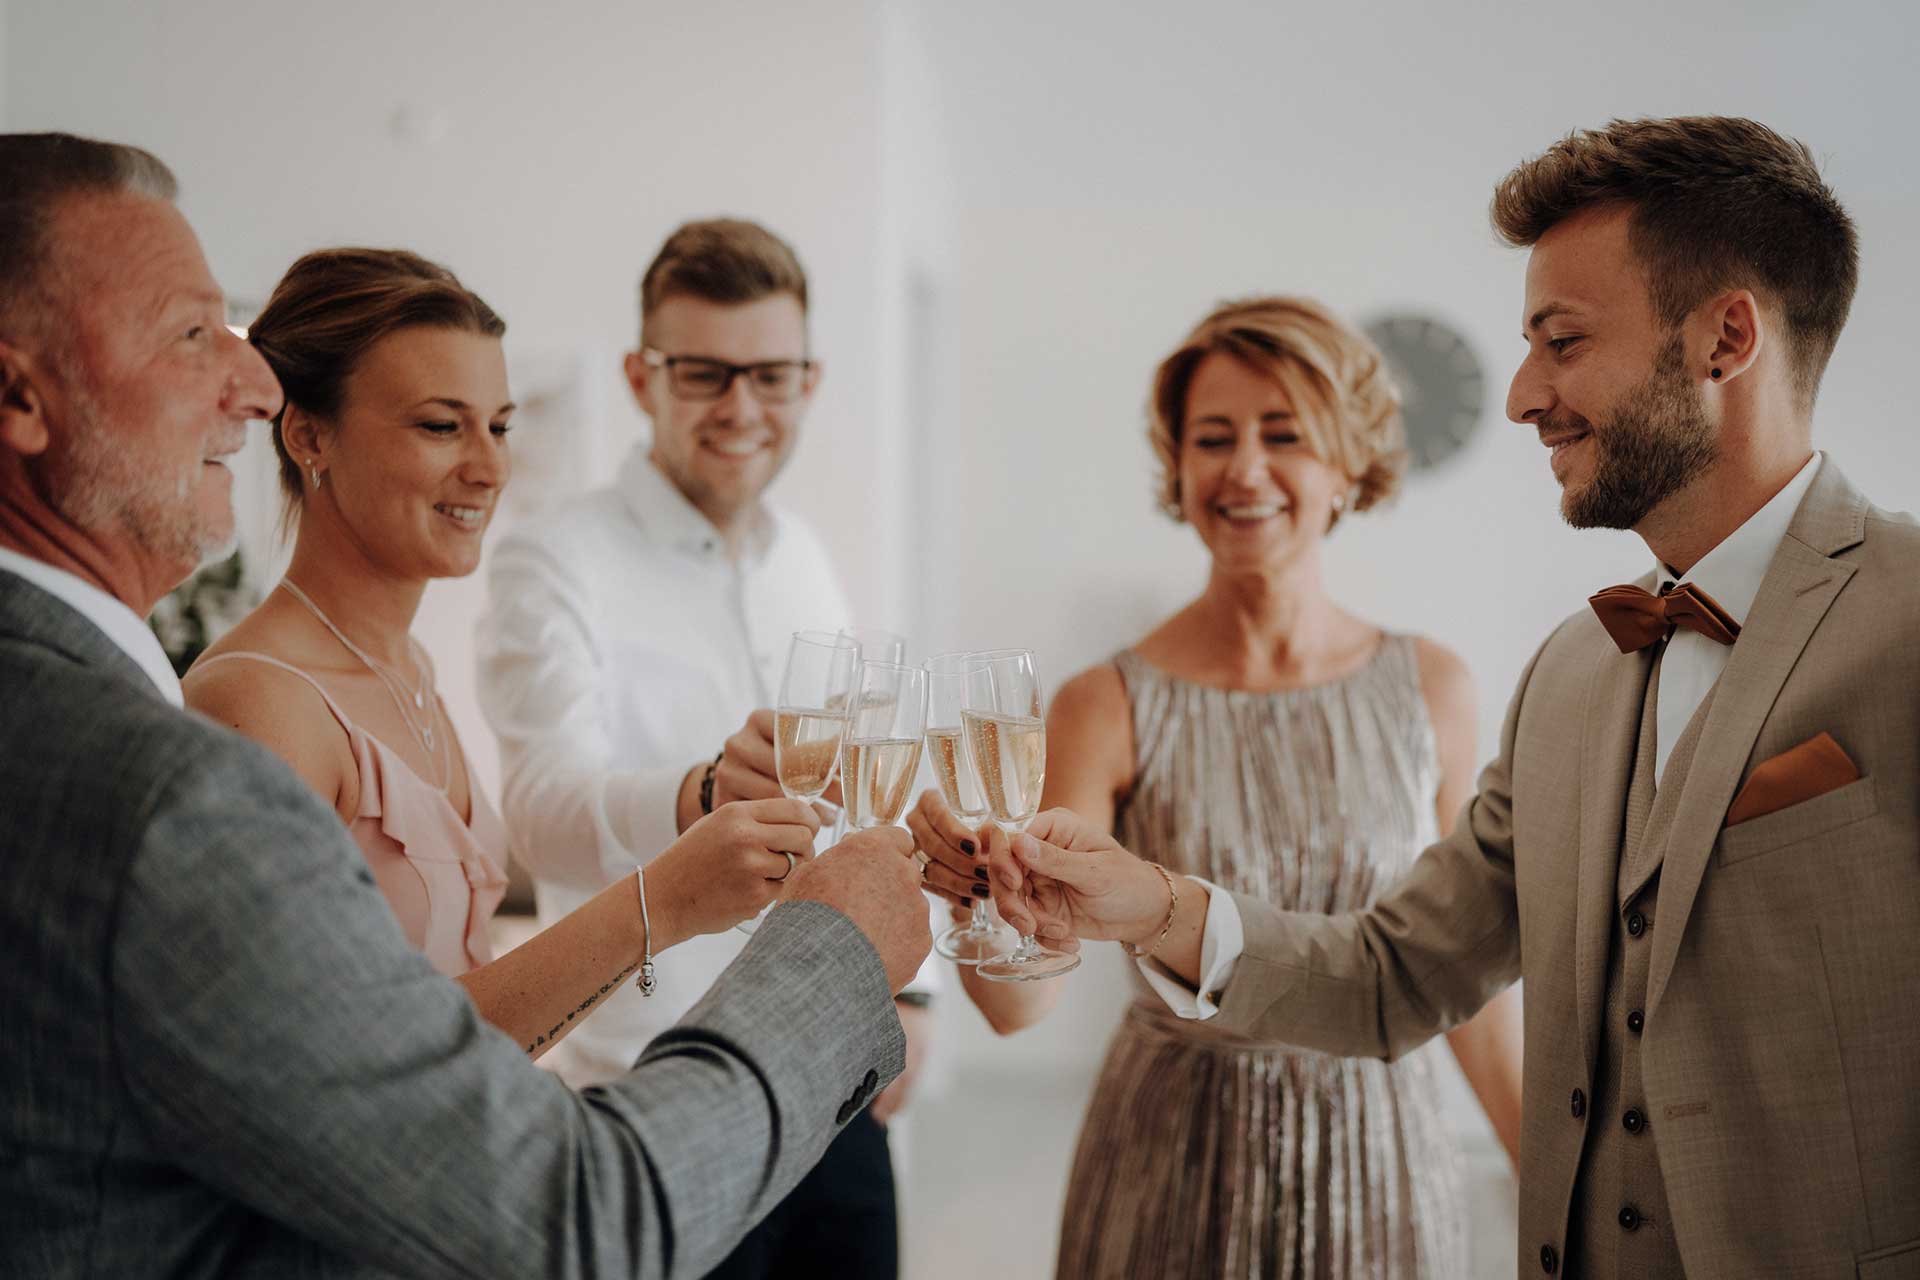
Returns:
<point x="1267" y="740"/>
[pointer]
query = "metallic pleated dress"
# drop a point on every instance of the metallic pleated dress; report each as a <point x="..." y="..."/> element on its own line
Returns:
<point x="1205" y="1154"/>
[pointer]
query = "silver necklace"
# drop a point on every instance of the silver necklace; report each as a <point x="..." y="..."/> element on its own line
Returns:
<point x="422" y="697"/>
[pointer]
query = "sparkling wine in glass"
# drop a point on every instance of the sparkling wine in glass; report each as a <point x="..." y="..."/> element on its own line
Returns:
<point x="810" y="718"/>
<point x="1006" y="737"/>
<point x="881" y="755"/>
<point x="981" y="937"/>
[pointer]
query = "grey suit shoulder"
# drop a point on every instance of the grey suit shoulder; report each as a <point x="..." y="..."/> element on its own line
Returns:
<point x="225" y="1060"/>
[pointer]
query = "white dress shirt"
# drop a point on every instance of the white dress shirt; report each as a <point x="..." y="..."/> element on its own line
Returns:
<point x="122" y="625"/>
<point x="621" y="647"/>
<point x="1731" y="573"/>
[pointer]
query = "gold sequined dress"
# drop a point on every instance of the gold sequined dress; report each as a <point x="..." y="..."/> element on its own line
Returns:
<point x="1205" y="1154"/>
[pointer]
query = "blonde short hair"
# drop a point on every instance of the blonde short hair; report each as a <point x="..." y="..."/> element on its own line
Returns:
<point x="1346" y="405"/>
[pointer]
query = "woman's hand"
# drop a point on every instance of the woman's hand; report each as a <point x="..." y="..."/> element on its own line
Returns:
<point x="1064" y="879"/>
<point x="956" y="867"/>
<point x="730" y="864"/>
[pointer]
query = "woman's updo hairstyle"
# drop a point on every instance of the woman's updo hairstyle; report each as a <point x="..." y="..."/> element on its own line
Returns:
<point x="1346" y="407"/>
<point x="335" y="305"/>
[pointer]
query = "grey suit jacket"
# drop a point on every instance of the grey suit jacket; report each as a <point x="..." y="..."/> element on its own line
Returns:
<point x="1781" y="1050"/>
<point x="220" y="1057"/>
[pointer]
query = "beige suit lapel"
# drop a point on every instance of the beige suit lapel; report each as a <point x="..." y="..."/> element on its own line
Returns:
<point x="1800" y="586"/>
<point x="1614" y="698"/>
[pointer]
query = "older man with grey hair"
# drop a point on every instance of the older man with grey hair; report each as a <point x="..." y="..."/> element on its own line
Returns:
<point x="223" y="1058"/>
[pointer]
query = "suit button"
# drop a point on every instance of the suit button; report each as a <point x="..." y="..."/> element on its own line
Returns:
<point x="1635" y="1021"/>
<point x="1633" y="1121"/>
<point x="1636" y="924"/>
<point x="873" y="1078"/>
<point x="1629" y="1218"/>
<point x="1579" y="1103"/>
<point x="1549" y="1259"/>
<point x="846" y="1111"/>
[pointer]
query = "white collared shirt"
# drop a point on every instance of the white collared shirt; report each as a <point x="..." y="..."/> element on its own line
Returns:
<point x="120" y="624"/>
<point x="1731" y="573"/>
<point x="621" y="647"/>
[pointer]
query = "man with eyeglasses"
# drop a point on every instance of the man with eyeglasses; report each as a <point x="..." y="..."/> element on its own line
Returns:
<point x="630" y="634"/>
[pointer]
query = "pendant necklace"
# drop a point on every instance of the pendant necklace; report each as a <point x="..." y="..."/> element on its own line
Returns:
<point x="421" y="698"/>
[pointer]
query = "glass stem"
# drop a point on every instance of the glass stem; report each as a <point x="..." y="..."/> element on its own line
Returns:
<point x="979" y="925"/>
<point x="1028" y="949"/>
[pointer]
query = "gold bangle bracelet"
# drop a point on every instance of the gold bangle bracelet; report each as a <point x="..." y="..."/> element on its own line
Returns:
<point x="1173" y="903"/>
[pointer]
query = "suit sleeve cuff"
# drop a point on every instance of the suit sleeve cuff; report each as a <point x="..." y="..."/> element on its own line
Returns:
<point x="1220" y="946"/>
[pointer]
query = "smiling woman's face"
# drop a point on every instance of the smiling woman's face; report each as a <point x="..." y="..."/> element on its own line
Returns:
<point x="1250" y="485"/>
<point x="417" y="457"/>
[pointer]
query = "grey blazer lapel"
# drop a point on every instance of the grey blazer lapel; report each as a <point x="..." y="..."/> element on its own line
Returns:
<point x="1614" y="700"/>
<point x="1799" y="587"/>
<point x="40" y="618"/>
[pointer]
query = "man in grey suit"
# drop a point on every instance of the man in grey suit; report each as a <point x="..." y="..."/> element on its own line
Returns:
<point x="222" y="1057"/>
<point x="1700" y="843"/>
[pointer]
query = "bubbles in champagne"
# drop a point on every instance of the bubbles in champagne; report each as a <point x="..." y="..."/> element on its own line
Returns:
<point x="806" y="743"/>
<point x="876" y="776"/>
<point x="1011" y="754"/>
<point x="957" y="782"/>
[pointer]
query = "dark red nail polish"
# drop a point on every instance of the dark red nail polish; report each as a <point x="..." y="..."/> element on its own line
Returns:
<point x="981" y="891"/>
<point x="979" y="873"/>
<point x="966" y="847"/>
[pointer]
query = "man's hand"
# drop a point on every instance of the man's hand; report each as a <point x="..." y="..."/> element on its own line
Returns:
<point x="918" y="1024"/>
<point x="1064" y="878"/>
<point x="872" y="879"/>
<point x="957" y="866"/>
<point x="746" y="770"/>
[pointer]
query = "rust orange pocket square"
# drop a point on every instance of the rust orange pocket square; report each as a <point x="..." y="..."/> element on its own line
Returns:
<point x="1811" y="769"/>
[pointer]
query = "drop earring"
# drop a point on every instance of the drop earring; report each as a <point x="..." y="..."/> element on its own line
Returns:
<point x="313" y="469"/>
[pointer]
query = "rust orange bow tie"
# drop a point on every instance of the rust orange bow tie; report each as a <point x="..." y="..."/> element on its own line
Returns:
<point x="1636" y="618"/>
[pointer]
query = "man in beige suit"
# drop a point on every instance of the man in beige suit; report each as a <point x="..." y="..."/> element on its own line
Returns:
<point x="1700" y="842"/>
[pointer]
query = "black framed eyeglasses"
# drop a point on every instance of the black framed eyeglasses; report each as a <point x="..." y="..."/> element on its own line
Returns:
<point x="701" y="378"/>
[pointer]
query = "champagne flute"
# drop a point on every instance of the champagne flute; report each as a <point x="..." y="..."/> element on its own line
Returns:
<point x="880" y="755"/>
<point x="810" y="718"/>
<point x="981" y="938"/>
<point x="877" y="645"/>
<point x="1007" y="742"/>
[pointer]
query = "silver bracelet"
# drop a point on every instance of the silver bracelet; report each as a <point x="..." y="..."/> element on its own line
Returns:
<point x="646" y="983"/>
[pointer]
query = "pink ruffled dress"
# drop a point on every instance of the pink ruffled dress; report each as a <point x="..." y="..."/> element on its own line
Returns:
<point x="443" y="877"/>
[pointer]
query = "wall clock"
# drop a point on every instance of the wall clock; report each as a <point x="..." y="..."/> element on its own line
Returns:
<point x="1442" y="386"/>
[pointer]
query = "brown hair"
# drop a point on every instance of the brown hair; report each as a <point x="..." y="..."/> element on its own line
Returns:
<point x="724" y="260"/>
<point x="37" y="172"/>
<point x="331" y="308"/>
<point x="1718" y="202"/>
<point x="1343" y="399"/>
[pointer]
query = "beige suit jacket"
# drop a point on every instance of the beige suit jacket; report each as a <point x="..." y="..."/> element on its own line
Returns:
<point x="1781" y="1050"/>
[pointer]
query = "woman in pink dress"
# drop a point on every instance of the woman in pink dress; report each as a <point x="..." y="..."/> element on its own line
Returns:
<point x="393" y="454"/>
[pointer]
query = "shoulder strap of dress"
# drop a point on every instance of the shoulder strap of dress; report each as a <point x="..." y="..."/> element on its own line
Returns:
<point x="256" y="656"/>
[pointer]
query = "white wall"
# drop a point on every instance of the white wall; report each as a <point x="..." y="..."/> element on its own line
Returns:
<point x="543" y="152"/>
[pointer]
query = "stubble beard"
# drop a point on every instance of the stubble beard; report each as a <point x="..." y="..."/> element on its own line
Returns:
<point x="101" y="487"/>
<point x="1653" y="444"/>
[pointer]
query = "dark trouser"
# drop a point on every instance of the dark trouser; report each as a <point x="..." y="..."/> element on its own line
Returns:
<point x="838" y="1222"/>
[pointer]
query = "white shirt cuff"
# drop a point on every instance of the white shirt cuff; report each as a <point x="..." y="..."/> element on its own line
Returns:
<point x="1220" y="945"/>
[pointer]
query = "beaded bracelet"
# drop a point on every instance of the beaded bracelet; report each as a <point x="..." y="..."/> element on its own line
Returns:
<point x="706" y="784"/>
<point x="1173" y="895"/>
